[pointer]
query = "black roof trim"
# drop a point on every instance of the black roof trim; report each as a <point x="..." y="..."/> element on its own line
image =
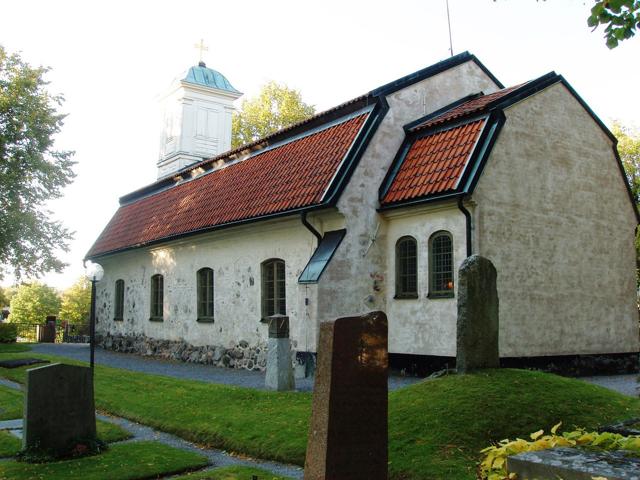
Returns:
<point x="432" y="70"/>
<point x="440" y="111"/>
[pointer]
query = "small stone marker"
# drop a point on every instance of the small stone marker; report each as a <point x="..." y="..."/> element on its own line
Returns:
<point x="574" y="464"/>
<point x="477" y="329"/>
<point x="59" y="408"/>
<point x="348" y="430"/>
<point x="279" y="365"/>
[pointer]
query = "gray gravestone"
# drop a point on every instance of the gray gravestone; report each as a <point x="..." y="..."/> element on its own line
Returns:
<point x="59" y="408"/>
<point x="477" y="329"/>
<point x="574" y="464"/>
<point x="279" y="365"/>
<point x="348" y="429"/>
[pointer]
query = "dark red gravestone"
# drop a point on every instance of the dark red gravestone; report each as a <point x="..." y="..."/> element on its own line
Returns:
<point x="348" y="430"/>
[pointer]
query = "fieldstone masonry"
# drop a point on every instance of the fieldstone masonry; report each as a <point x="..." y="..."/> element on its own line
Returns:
<point x="348" y="429"/>
<point x="279" y="367"/>
<point x="477" y="329"/>
<point x="59" y="408"/>
<point x="239" y="355"/>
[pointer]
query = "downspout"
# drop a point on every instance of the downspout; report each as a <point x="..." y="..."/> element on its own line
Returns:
<point x="303" y="217"/>
<point x="467" y="216"/>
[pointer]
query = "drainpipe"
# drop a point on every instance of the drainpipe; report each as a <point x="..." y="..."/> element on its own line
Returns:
<point x="303" y="217"/>
<point x="467" y="216"/>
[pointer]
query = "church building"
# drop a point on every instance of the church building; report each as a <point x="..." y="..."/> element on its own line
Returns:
<point x="373" y="205"/>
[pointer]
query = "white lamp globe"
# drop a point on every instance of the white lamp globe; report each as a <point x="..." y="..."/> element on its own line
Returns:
<point x="94" y="272"/>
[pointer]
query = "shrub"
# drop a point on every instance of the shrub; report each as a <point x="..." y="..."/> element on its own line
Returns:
<point x="8" y="332"/>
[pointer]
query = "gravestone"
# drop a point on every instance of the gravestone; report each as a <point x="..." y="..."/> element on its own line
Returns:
<point x="348" y="429"/>
<point x="59" y="409"/>
<point x="574" y="464"/>
<point x="477" y="329"/>
<point x="279" y="365"/>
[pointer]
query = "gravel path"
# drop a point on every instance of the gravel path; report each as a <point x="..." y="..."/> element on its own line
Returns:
<point x="191" y="371"/>
<point x="627" y="384"/>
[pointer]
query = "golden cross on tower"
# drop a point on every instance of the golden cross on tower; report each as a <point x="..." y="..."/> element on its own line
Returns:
<point x="200" y="46"/>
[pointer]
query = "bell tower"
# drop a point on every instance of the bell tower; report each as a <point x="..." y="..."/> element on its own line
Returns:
<point x="196" y="118"/>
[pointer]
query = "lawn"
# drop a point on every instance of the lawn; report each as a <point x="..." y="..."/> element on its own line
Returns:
<point x="231" y="473"/>
<point x="9" y="444"/>
<point x="436" y="428"/>
<point x="123" y="461"/>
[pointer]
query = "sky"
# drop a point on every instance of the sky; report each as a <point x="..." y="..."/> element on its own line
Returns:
<point x="112" y="59"/>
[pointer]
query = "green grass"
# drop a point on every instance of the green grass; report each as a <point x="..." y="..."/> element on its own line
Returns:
<point x="11" y="404"/>
<point x="122" y="462"/>
<point x="232" y="473"/>
<point x="436" y="428"/>
<point x="9" y="444"/>
<point x="14" y="347"/>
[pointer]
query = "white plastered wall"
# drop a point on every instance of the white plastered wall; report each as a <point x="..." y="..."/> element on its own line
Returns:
<point x="554" y="216"/>
<point x="359" y="278"/>
<point x="235" y="255"/>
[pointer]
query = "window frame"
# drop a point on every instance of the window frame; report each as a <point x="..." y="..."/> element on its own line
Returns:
<point x="279" y="287"/>
<point x="156" y="310"/>
<point x="118" y="307"/>
<point x="447" y="292"/>
<point x="204" y="315"/>
<point x="401" y="293"/>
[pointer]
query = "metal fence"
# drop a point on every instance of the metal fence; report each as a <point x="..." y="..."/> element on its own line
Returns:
<point x="50" y="333"/>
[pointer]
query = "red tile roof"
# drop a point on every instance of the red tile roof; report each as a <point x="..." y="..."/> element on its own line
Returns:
<point x="473" y="106"/>
<point x="284" y="178"/>
<point x="434" y="163"/>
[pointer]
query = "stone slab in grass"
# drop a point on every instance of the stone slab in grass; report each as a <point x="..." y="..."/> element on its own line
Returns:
<point x="124" y="461"/>
<point x="21" y="362"/>
<point x="574" y="464"/>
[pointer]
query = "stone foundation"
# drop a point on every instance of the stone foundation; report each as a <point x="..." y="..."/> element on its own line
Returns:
<point x="240" y="355"/>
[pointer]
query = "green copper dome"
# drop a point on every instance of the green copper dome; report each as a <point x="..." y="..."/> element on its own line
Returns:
<point x="208" y="77"/>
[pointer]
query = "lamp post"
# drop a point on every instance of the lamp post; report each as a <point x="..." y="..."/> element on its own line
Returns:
<point x="94" y="273"/>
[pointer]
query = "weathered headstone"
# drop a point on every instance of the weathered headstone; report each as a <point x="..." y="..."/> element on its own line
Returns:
<point x="348" y="430"/>
<point x="477" y="329"/>
<point x="59" y="408"/>
<point x="279" y="364"/>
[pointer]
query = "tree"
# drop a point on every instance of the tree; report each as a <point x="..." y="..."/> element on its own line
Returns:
<point x="629" y="150"/>
<point x="32" y="171"/>
<point x="33" y="302"/>
<point x="621" y="18"/>
<point x="276" y="107"/>
<point x="76" y="302"/>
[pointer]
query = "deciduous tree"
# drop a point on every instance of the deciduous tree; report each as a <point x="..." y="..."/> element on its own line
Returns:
<point x="76" y="302"/>
<point x="629" y="150"/>
<point x="33" y="302"/>
<point x="32" y="171"/>
<point x="621" y="19"/>
<point x="276" y="107"/>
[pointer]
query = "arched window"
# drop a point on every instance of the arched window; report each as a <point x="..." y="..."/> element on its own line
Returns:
<point x="406" y="268"/>
<point x="157" y="298"/>
<point x="441" y="265"/>
<point x="205" y="295"/>
<point x="119" y="303"/>
<point x="273" y="288"/>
